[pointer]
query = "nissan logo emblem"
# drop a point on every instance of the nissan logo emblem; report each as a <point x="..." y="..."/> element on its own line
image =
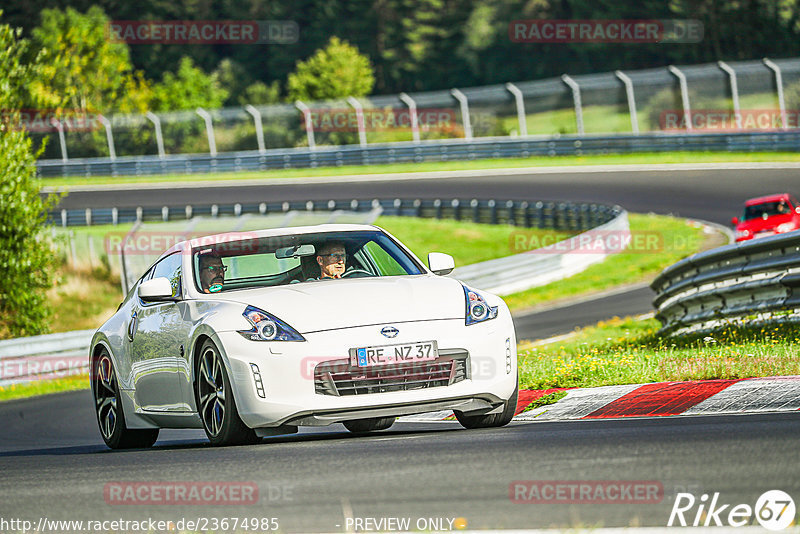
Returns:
<point x="390" y="331"/>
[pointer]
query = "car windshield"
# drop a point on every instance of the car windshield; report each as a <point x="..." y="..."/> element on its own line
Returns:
<point x="293" y="259"/>
<point x="766" y="209"/>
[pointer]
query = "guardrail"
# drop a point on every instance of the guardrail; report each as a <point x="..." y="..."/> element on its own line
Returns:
<point x="571" y="216"/>
<point x="44" y="357"/>
<point x="431" y="150"/>
<point x="751" y="280"/>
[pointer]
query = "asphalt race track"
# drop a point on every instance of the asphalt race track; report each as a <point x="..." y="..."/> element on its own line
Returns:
<point x="55" y="466"/>
<point x="557" y="320"/>
<point x="712" y="194"/>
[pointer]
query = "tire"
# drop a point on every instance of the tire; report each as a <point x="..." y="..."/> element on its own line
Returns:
<point x="491" y="420"/>
<point x="360" y="426"/>
<point x="215" y="402"/>
<point x="109" y="412"/>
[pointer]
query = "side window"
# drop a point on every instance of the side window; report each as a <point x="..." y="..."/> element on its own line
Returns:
<point x="387" y="265"/>
<point x="170" y="268"/>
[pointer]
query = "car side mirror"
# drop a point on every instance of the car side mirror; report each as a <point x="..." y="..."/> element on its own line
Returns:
<point x="157" y="289"/>
<point x="440" y="263"/>
<point x="735" y="221"/>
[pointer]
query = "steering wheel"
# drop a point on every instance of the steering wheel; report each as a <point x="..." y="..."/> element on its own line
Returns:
<point x="356" y="273"/>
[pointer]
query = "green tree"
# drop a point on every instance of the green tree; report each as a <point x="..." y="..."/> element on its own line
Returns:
<point x="26" y="258"/>
<point x="188" y="88"/>
<point x="339" y="70"/>
<point x="259" y="94"/>
<point x="84" y="69"/>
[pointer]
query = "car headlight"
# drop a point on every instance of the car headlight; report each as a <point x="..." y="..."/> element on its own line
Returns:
<point x="742" y="233"/>
<point x="478" y="310"/>
<point x="785" y="227"/>
<point x="267" y="327"/>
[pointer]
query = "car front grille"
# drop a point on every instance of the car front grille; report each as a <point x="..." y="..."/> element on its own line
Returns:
<point x="340" y="378"/>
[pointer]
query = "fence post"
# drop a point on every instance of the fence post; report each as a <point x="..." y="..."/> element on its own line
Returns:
<point x="412" y="111"/>
<point x="523" y="123"/>
<point x="212" y="142"/>
<point x="779" y="84"/>
<point x="90" y="242"/>
<point x="308" y="122"/>
<point x="631" y="100"/>
<point x="73" y="254"/>
<point x="734" y="92"/>
<point x="576" y="99"/>
<point x="687" y="112"/>
<point x="437" y="208"/>
<point x="112" y="154"/>
<point x="61" y="139"/>
<point x="252" y="110"/>
<point x="462" y="100"/>
<point x="362" y="134"/>
<point x="159" y="138"/>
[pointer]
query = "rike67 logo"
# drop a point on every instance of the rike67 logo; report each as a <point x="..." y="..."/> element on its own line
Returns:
<point x="774" y="510"/>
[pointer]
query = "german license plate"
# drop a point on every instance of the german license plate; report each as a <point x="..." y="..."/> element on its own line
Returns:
<point x="393" y="354"/>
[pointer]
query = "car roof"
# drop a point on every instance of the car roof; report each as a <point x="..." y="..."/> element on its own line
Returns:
<point x="768" y="198"/>
<point x="214" y="239"/>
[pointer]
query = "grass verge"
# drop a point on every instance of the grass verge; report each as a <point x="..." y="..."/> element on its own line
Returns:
<point x="82" y="299"/>
<point x="659" y="241"/>
<point x="536" y="161"/>
<point x="44" y="387"/>
<point x="467" y="242"/>
<point x="629" y="351"/>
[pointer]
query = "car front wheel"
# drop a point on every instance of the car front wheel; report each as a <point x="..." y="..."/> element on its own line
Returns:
<point x="215" y="402"/>
<point x="358" y="426"/>
<point x="491" y="420"/>
<point x="108" y="408"/>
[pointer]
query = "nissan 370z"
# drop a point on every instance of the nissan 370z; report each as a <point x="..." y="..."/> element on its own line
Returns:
<point x="253" y="334"/>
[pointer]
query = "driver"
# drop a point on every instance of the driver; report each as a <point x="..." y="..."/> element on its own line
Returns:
<point x="212" y="273"/>
<point x="332" y="260"/>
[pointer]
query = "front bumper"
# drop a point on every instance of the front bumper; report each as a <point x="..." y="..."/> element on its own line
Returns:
<point x="274" y="382"/>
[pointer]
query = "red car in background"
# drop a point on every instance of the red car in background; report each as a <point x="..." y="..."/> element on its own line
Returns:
<point x="769" y="215"/>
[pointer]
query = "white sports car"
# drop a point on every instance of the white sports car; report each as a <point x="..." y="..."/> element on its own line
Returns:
<point x="253" y="334"/>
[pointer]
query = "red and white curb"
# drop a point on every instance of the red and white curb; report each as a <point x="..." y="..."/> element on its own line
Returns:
<point x="702" y="397"/>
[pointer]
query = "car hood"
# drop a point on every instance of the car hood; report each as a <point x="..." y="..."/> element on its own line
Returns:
<point x="332" y="304"/>
<point x="759" y="225"/>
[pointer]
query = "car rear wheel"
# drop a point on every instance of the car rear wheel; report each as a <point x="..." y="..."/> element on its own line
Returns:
<point x="215" y="402"/>
<point x="358" y="426"/>
<point x="491" y="420"/>
<point x="108" y="408"/>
